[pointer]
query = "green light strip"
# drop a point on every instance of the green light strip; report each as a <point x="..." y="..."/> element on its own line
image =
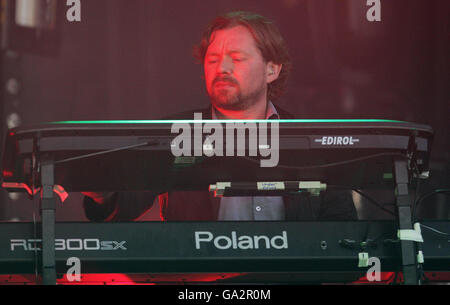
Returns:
<point x="223" y="121"/>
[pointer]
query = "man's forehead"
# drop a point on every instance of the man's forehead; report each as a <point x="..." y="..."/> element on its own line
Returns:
<point x="237" y="39"/>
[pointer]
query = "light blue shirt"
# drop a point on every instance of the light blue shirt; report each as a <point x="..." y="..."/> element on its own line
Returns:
<point x="252" y="207"/>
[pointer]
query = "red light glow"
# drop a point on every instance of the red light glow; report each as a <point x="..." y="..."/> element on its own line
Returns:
<point x="7" y="173"/>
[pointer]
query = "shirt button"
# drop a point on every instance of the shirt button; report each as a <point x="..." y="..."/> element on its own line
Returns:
<point x="258" y="208"/>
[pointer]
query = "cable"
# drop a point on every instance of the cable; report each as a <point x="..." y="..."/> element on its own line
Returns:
<point x="429" y="194"/>
<point x="332" y="164"/>
<point x="414" y="207"/>
<point x="106" y="152"/>
<point x="434" y="230"/>
<point x="370" y="199"/>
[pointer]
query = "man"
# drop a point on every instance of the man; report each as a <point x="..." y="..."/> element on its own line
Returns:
<point x="246" y="66"/>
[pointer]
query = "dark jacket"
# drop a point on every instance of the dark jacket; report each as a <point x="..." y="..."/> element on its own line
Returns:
<point x="202" y="206"/>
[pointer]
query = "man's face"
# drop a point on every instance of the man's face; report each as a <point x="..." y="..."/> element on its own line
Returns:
<point x="235" y="71"/>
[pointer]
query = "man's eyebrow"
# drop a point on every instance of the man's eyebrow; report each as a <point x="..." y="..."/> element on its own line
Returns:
<point x="238" y="52"/>
<point x="229" y="52"/>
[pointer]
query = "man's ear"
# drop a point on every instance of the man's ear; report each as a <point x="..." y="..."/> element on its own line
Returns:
<point x="273" y="71"/>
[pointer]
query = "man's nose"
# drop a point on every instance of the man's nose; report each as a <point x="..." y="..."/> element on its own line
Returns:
<point x="225" y="65"/>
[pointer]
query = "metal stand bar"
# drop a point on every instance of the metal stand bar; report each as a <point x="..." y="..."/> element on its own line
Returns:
<point x="408" y="248"/>
<point x="48" y="207"/>
<point x="272" y="188"/>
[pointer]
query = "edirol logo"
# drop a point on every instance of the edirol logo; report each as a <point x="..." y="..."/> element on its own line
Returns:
<point x="337" y="140"/>
<point x="211" y="138"/>
<point x="72" y="244"/>
<point x="244" y="242"/>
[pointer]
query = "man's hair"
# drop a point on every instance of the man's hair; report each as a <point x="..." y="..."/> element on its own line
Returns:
<point x="268" y="40"/>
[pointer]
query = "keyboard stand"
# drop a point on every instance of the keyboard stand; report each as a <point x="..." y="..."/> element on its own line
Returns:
<point x="403" y="202"/>
<point x="47" y="209"/>
<point x="48" y="206"/>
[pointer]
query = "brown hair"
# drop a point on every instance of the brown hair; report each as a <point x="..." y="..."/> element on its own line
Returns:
<point x="268" y="40"/>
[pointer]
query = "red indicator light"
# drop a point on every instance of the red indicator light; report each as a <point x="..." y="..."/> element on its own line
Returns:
<point x="7" y="174"/>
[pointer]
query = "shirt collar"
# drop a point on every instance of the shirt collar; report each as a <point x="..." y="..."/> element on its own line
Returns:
<point x="271" y="112"/>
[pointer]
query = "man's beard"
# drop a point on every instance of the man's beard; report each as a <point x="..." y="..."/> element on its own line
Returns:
<point x="233" y="99"/>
